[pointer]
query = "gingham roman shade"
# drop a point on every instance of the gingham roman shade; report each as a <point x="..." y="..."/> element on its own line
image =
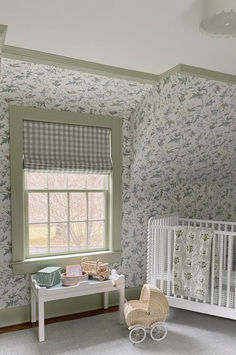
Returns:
<point x="65" y="147"/>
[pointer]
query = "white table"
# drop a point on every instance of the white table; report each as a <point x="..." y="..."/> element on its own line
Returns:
<point x="41" y="295"/>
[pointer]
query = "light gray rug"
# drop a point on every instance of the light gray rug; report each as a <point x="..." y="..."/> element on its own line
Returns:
<point x="188" y="333"/>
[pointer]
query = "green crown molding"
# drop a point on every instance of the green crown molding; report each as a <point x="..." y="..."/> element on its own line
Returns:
<point x="200" y="72"/>
<point x="3" y="32"/>
<point x="33" y="56"/>
<point x="206" y="73"/>
<point x="76" y="64"/>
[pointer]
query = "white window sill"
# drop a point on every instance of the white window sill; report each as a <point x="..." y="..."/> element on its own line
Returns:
<point x="32" y="265"/>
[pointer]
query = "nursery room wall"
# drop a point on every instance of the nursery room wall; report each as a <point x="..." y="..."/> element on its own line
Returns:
<point x="183" y="154"/>
<point x="184" y="147"/>
<point x="27" y="84"/>
<point x="178" y="151"/>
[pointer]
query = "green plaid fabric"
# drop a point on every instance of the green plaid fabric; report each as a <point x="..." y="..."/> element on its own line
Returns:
<point x="66" y="147"/>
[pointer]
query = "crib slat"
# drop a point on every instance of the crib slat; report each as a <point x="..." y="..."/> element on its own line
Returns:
<point x="203" y="225"/>
<point x="184" y="224"/>
<point x="213" y="269"/>
<point x="189" y="224"/>
<point x="153" y="252"/>
<point x="221" y="239"/>
<point x="234" y="241"/>
<point x="229" y="267"/>
<point x="149" y="251"/>
<point x="195" y="225"/>
<point x="162" y="257"/>
<point x="156" y="250"/>
<point x="225" y="252"/>
<point x="235" y="290"/>
<point x="168" y="261"/>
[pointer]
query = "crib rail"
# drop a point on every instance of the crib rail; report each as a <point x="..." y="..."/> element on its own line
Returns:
<point x="222" y="285"/>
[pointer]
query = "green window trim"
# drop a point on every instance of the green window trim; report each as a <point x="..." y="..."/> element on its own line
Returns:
<point x="31" y="265"/>
<point x="17" y="115"/>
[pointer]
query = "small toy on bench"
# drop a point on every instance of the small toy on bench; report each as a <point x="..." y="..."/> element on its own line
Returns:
<point x="96" y="268"/>
<point x="147" y="313"/>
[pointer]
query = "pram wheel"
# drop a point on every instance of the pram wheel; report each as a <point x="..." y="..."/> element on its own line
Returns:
<point x="158" y="331"/>
<point x="137" y="334"/>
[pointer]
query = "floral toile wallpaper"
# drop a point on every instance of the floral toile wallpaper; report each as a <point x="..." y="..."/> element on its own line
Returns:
<point x="191" y="122"/>
<point x="178" y="151"/>
<point x="42" y="86"/>
<point x="183" y="156"/>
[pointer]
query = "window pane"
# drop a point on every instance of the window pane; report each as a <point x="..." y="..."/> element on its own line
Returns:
<point x="78" y="206"/>
<point x="78" y="235"/>
<point x="95" y="181"/>
<point x="38" y="239"/>
<point x="58" y="237"/>
<point x="57" y="181"/>
<point x="76" y="181"/>
<point x="38" y="207"/>
<point x="58" y="206"/>
<point x="36" y="180"/>
<point x="96" y="235"/>
<point x="96" y="205"/>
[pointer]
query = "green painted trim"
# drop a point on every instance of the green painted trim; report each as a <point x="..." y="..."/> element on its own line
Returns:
<point x="17" y="185"/>
<point x="32" y="265"/>
<point x="205" y="73"/>
<point x="200" y="72"/>
<point x="170" y="72"/>
<point x="14" y="315"/>
<point x="19" y="315"/>
<point x="17" y="115"/>
<point x="3" y="32"/>
<point x="107" y="70"/>
<point x="76" y="64"/>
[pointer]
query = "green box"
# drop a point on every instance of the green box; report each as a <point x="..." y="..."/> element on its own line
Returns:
<point x="49" y="276"/>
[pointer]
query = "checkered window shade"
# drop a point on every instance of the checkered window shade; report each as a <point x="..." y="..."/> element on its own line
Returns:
<point x="66" y="147"/>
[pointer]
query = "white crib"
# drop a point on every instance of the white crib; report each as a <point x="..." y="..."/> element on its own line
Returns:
<point x="222" y="289"/>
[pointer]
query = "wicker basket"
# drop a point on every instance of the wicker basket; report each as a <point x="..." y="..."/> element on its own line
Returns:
<point x="152" y="307"/>
<point x="96" y="268"/>
<point x="73" y="280"/>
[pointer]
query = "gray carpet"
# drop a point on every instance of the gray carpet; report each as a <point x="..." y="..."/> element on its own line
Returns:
<point x="188" y="333"/>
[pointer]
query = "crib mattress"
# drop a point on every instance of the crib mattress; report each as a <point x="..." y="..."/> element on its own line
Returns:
<point x="216" y="289"/>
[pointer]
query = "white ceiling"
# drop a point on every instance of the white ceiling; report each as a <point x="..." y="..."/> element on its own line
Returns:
<point x="145" y="35"/>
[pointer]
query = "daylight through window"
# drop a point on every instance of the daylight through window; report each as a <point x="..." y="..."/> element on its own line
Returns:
<point x="65" y="212"/>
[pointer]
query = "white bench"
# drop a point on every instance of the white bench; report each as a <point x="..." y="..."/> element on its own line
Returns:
<point x="42" y="294"/>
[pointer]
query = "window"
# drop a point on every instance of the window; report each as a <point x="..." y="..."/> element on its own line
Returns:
<point x="66" y="187"/>
<point x="65" y="213"/>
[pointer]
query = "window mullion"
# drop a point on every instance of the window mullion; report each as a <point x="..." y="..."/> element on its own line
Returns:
<point x="48" y="222"/>
<point x="86" y="216"/>
<point x="68" y="222"/>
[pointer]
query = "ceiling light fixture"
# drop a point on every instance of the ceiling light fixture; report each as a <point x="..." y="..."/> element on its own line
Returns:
<point x="219" y="17"/>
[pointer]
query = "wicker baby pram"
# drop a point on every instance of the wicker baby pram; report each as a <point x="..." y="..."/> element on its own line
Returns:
<point x="147" y="313"/>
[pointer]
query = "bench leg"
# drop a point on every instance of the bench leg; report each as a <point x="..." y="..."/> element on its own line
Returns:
<point x="33" y="307"/>
<point x="41" y="320"/>
<point x="106" y="300"/>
